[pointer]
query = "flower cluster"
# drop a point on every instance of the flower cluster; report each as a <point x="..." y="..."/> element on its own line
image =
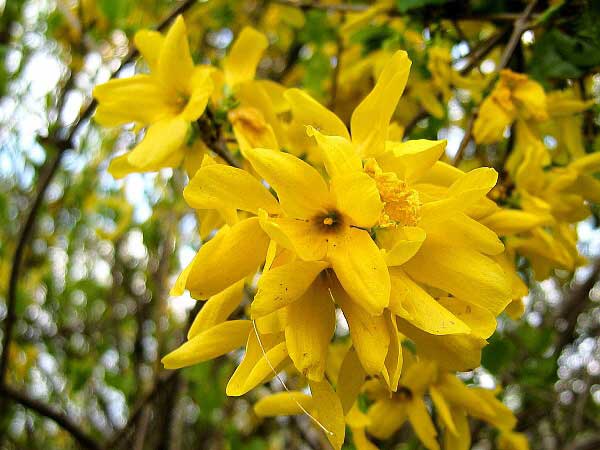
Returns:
<point x="328" y="235"/>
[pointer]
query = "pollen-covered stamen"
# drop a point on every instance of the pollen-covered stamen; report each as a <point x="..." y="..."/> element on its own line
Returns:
<point x="330" y="221"/>
<point x="402" y="205"/>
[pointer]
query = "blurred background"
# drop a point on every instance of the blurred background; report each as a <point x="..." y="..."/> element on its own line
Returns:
<point x="91" y="315"/>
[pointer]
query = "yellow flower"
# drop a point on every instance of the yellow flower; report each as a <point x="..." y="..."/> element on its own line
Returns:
<point x="514" y="97"/>
<point x="389" y="412"/>
<point x="166" y="101"/>
<point x="511" y="440"/>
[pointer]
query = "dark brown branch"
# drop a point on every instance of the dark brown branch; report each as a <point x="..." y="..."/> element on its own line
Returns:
<point x="212" y="135"/>
<point x="51" y="413"/>
<point x="466" y="139"/>
<point x="519" y="27"/>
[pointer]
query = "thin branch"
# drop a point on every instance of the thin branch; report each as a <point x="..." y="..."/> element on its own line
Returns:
<point x="212" y="135"/>
<point x="465" y="140"/>
<point x="476" y="55"/>
<point x="519" y="27"/>
<point x="51" y="413"/>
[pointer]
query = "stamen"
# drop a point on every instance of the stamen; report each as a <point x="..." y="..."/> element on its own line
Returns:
<point x="328" y="221"/>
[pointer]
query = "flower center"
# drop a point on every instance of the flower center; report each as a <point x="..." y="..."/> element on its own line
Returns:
<point x="402" y="205"/>
<point x="331" y="221"/>
<point x="403" y="394"/>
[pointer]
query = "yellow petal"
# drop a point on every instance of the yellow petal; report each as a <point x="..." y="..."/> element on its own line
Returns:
<point x="401" y="243"/>
<point x="135" y="99"/>
<point x="201" y="86"/>
<point x="217" y="309"/>
<point x="474" y="184"/>
<point x="361" y="269"/>
<point x="371" y="118"/>
<point x="502" y="417"/>
<point x="162" y="140"/>
<point x="328" y="411"/>
<point x="339" y="155"/>
<point x="244" y="56"/>
<point x="410" y="160"/>
<point x="422" y="424"/>
<point x="387" y="416"/>
<point x="442" y="409"/>
<point x="301" y="190"/>
<point x="481" y="322"/>
<point x="308" y="111"/>
<point x="465" y="232"/>
<point x="491" y="122"/>
<point x="463" y="272"/>
<point x="460" y="352"/>
<point x="149" y="43"/>
<point x="370" y="335"/>
<point x="209" y="344"/>
<point x="357" y="197"/>
<point x="424" y="311"/>
<point x="461" y="440"/>
<point x="297" y="235"/>
<point x="507" y="222"/>
<point x="120" y="166"/>
<point x="175" y="64"/>
<point x="359" y="438"/>
<point x="218" y="186"/>
<point x="350" y="380"/>
<point x="215" y="269"/>
<point x="283" y="285"/>
<point x="283" y="404"/>
<point x="509" y="440"/>
<point x="310" y="326"/>
<point x="257" y="367"/>
<point x="394" y="357"/>
<point x="468" y="399"/>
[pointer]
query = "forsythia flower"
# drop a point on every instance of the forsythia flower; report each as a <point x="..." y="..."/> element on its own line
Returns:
<point x="166" y="101"/>
<point x="514" y="97"/>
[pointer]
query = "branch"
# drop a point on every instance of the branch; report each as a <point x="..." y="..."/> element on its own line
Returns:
<point x="465" y="140"/>
<point x="519" y="26"/>
<point x="51" y="413"/>
<point x="212" y="136"/>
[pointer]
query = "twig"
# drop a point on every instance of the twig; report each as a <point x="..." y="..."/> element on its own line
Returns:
<point x="519" y="27"/>
<point x="49" y="412"/>
<point x="477" y="54"/>
<point x="212" y="135"/>
<point x="465" y="140"/>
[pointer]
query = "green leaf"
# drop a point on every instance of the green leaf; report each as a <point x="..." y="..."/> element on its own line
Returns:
<point x="497" y="354"/>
